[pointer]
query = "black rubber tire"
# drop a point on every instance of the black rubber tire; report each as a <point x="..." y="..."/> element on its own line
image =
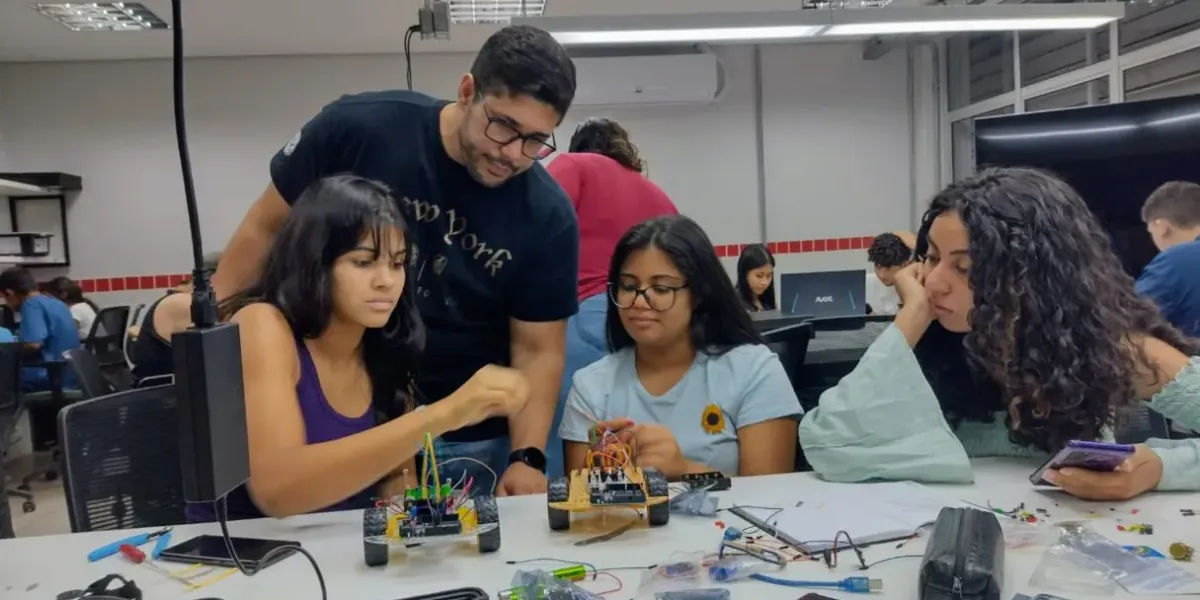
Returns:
<point x="559" y="490"/>
<point x="657" y="485"/>
<point x="375" y="525"/>
<point x="486" y="513"/>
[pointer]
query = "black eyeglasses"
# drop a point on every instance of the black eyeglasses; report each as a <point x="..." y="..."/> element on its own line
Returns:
<point x="658" y="297"/>
<point x="533" y="145"/>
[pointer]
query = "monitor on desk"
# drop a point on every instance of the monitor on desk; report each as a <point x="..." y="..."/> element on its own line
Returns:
<point x="825" y="295"/>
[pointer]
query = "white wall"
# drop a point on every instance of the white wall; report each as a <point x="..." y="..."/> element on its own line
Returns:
<point x="838" y="148"/>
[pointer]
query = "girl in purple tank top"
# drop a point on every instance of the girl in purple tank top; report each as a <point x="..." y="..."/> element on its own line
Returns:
<point x="329" y="337"/>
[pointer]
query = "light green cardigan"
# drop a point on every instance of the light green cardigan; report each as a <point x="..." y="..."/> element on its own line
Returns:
<point x="882" y="421"/>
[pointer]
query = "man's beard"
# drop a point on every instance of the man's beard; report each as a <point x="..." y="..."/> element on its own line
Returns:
<point x="476" y="161"/>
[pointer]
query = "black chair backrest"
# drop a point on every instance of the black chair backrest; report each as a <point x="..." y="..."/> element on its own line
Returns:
<point x="1137" y="424"/>
<point x="92" y="381"/>
<point x="10" y="376"/>
<point x="107" y="338"/>
<point x="121" y="460"/>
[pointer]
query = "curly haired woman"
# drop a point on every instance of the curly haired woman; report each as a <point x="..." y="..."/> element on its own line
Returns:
<point x="1019" y="332"/>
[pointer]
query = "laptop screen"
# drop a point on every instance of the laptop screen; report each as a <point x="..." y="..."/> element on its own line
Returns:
<point x="824" y="295"/>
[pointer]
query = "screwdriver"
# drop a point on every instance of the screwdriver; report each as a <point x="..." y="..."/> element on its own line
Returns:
<point x="137" y="557"/>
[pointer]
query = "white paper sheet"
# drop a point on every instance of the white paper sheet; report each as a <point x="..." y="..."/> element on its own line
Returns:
<point x="869" y="512"/>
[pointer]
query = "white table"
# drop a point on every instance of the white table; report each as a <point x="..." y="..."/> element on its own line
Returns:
<point x="58" y="563"/>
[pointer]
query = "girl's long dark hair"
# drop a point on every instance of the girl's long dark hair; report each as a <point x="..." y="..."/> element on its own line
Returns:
<point x="753" y="257"/>
<point x="606" y="136"/>
<point x="1052" y="331"/>
<point x="69" y="292"/>
<point x="719" y="321"/>
<point x="330" y="219"/>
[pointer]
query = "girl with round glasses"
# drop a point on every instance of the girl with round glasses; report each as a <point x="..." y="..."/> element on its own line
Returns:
<point x="689" y="381"/>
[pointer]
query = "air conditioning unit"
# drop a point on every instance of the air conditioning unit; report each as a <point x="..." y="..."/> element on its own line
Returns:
<point x="689" y="78"/>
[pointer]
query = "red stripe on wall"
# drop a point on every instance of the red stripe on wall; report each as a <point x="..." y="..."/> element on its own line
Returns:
<point x="162" y="282"/>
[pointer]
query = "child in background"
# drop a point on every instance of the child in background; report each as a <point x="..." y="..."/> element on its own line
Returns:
<point x="83" y="310"/>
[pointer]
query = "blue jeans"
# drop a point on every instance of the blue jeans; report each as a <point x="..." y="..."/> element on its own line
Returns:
<point x="586" y="344"/>
<point x="483" y="461"/>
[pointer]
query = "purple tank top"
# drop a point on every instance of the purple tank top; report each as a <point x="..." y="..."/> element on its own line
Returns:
<point x="321" y="424"/>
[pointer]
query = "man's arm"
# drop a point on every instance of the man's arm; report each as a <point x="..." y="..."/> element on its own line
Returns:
<point x="538" y="351"/>
<point x="33" y="330"/>
<point x="247" y="249"/>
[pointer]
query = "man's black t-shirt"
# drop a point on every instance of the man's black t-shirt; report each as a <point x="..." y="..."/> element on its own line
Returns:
<point x="480" y="255"/>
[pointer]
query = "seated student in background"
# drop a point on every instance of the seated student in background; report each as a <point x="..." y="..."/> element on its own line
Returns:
<point x="688" y="369"/>
<point x="151" y="351"/>
<point x="47" y="328"/>
<point x="1172" y="279"/>
<point x="83" y="310"/>
<point x="889" y="253"/>
<point x="605" y="177"/>
<point x="1024" y="334"/>
<point x="756" y="278"/>
<point x="330" y="335"/>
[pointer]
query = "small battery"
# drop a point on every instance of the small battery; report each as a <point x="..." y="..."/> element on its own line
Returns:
<point x="572" y="573"/>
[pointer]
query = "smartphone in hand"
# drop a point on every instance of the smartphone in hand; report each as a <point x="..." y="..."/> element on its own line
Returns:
<point x="1093" y="456"/>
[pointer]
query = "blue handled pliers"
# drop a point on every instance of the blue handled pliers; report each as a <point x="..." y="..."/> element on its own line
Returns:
<point x="162" y="537"/>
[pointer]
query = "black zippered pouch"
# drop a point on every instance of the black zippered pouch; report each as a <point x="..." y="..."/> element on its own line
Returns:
<point x="964" y="559"/>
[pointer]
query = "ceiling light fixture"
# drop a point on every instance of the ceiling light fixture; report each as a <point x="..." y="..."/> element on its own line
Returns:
<point x="762" y="26"/>
<point x="103" y="16"/>
<point x="699" y="35"/>
<point x="500" y="12"/>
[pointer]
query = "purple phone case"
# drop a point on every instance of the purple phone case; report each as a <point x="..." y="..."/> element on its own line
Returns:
<point x="1093" y="456"/>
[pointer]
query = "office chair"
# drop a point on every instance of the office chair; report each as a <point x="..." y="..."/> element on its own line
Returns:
<point x="10" y="413"/>
<point x="121" y="461"/>
<point x="135" y="319"/>
<point x="106" y="341"/>
<point x="1137" y="424"/>
<point x="53" y="399"/>
<point x="92" y="382"/>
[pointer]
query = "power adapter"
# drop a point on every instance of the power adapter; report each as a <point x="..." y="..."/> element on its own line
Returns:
<point x="214" y="453"/>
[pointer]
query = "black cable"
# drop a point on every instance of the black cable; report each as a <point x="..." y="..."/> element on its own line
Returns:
<point x="281" y="551"/>
<point x="408" y="53"/>
<point x="883" y="560"/>
<point x="204" y="305"/>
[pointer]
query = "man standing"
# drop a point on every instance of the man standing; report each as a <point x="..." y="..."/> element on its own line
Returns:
<point x="1172" y="279"/>
<point x="495" y="241"/>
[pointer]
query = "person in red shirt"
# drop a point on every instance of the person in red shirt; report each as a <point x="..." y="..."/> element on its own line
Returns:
<point x="605" y="179"/>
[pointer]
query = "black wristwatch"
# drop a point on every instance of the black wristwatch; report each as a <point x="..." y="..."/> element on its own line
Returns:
<point x="530" y="456"/>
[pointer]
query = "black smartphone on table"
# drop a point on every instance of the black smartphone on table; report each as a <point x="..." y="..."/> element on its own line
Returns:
<point x="211" y="550"/>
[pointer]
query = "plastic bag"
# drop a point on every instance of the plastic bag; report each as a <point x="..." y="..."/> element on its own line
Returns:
<point x="695" y="502"/>
<point x="1021" y="534"/>
<point x="1100" y="565"/>
<point x="736" y="568"/>
<point x="681" y="571"/>
<point x="541" y="585"/>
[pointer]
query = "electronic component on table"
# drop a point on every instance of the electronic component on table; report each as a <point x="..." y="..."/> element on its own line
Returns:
<point x="427" y="510"/>
<point x="613" y="486"/>
<point x="714" y="481"/>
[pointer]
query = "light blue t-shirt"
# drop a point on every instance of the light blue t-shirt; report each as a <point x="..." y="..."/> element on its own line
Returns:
<point x="48" y="322"/>
<point x="744" y="386"/>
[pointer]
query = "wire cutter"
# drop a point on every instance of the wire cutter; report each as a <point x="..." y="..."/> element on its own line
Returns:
<point x="162" y="537"/>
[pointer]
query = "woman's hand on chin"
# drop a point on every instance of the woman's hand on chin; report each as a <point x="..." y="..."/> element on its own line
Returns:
<point x="1136" y="476"/>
